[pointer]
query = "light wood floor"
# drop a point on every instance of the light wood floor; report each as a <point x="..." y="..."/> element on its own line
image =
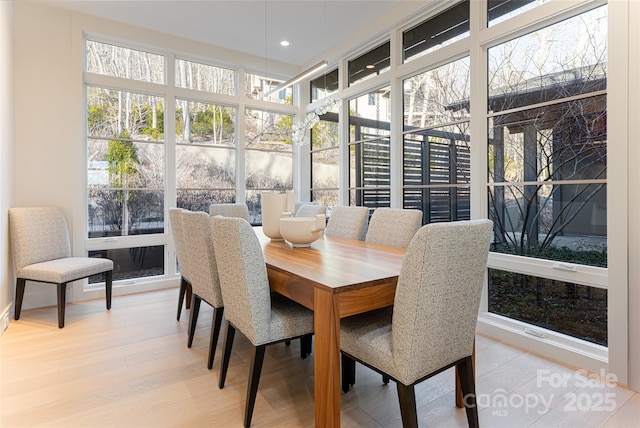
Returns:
<point x="130" y="367"/>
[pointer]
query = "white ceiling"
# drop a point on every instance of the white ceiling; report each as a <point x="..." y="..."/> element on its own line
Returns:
<point x="311" y="26"/>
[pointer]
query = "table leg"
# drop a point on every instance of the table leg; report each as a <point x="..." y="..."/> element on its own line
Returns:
<point x="326" y="360"/>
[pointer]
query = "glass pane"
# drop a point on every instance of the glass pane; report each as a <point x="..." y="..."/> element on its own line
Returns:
<point x="439" y="204"/>
<point x="565" y="141"/>
<point x="325" y="169"/>
<point x="208" y="123"/>
<point x="501" y="10"/>
<point x="135" y="262"/>
<point x="200" y="199"/>
<point x="202" y="77"/>
<point x="268" y="170"/>
<point x="370" y="64"/>
<point x="325" y="133"/>
<point x="256" y="86"/>
<point x="122" y="62"/>
<point x="330" y="198"/>
<point x="565" y="222"/>
<point x="125" y="212"/>
<point x="370" y="115"/>
<point x="371" y="198"/>
<point x="121" y="114"/>
<point x="268" y="131"/>
<point x="369" y="164"/>
<point x="572" y="309"/>
<point x="437" y="96"/>
<point x="205" y="168"/>
<point x="253" y="203"/>
<point x="125" y="164"/>
<point x="436" y="32"/>
<point x="562" y="60"/>
<point x="325" y="85"/>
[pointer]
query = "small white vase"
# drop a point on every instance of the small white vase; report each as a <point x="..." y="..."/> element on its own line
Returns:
<point x="272" y="205"/>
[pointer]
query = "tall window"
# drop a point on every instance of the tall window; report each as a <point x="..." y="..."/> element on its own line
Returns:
<point x="547" y="145"/>
<point x="325" y="160"/>
<point x="369" y="140"/>
<point x="436" y="169"/>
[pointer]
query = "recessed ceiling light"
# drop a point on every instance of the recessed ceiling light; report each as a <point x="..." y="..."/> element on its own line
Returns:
<point x="284" y="43"/>
<point x="370" y="66"/>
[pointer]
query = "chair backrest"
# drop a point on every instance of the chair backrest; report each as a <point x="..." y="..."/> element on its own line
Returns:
<point x="438" y="296"/>
<point x="177" y="233"/>
<point x="395" y="227"/>
<point x="38" y="234"/>
<point x="230" y="210"/>
<point x="199" y="250"/>
<point x="244" y="281"/>
<point x="348" y="222"/>
<point x="311" y="210"/>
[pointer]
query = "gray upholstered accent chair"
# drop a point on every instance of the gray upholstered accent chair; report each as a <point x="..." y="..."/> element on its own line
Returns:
<point x="348" y="222"/>
<point x="395" y="227"/>
<point x="310" y="210"/>
<point x="42" y="253"/>
<point x="263" y="317"/>
<point x="433" y="321"/>
<point x="203" y="274"/>
<point x="230" y="210"/>
<point x="177" y="233"/>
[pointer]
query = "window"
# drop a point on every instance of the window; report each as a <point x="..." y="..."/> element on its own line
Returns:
<point x="369" y="167"/>
<point x="111" y="60"/>
<point x="325" y="85"/>
<point x="434" y="33"/>
<point x="501" y="10"/>
<point x="256" y="86"/>
<point x="325" y="160"/>
<point x="370" y="64"/>
<point x="268" y="149"/>
<point x="202" y="77"/>
<point x="547" y="146"/>
<point x="205" y="154"/>
<point x="437" y="161"/>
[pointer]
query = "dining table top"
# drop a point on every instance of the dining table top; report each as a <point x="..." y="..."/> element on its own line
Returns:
<point x="335" y="263"/>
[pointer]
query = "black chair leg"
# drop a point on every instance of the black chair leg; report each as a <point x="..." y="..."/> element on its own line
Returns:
<point x="348" y="372"/>
<point x="108" y="280"/>
<point x="216" y="322"/>
<point x="193" y="318"/>
<point x="305" y="345"/>
<point x="183" y="290"/>
<point x="468" y="387"/>
<point x="407" y="398"/>
<point x="385" y="379"/>
<point x="229" y="334"/>
<point x="287" y="342"/>
<point x="252" y="385"/>
<point x="62" y="297"/>
<point x="20" y="283"/>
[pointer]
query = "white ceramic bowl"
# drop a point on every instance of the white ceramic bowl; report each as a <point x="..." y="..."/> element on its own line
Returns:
<point x="301" y="231"/>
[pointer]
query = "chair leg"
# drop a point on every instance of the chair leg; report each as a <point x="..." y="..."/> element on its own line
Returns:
<point x="183" y="290"/>
<point x="216" y="322"/>
<point x="193" y="318"/>
<point x="407" y="398"/>
<point x="108" y="279"/>
<point x="468" y="387"/>
<point x="62" y="297"/>
<point x="348" y="372"/>
<point x="287" y="342"/>
<point x="20" y="283"/>
<point x="189" y="295"/>
<point x="305" y="345"/>
<point x="385" y="379"/>
<point x="229" y="334"/>
<point x="252" y="385"/>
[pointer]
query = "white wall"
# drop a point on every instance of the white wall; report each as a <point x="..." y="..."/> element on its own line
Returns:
<point x="6" y="154"/>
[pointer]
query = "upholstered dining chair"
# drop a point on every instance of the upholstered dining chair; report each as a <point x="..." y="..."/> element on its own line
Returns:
<point x="263" y="317"/>
<point x="310" y="210"/>
<point x="395" y="227"/>
<point x="348" y="222"/>
<point x="230" y="210"/>
<point x="432" y="324"/>
<point x="177" y="233"/>
<point x="42" y="253"/>
<point x="203" y="274"/>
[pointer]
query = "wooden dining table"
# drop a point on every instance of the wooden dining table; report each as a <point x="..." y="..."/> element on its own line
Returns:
<point x="335" y="278"/>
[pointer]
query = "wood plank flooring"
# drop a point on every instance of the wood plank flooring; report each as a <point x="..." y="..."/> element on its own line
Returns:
<point x="130" y="367"/>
